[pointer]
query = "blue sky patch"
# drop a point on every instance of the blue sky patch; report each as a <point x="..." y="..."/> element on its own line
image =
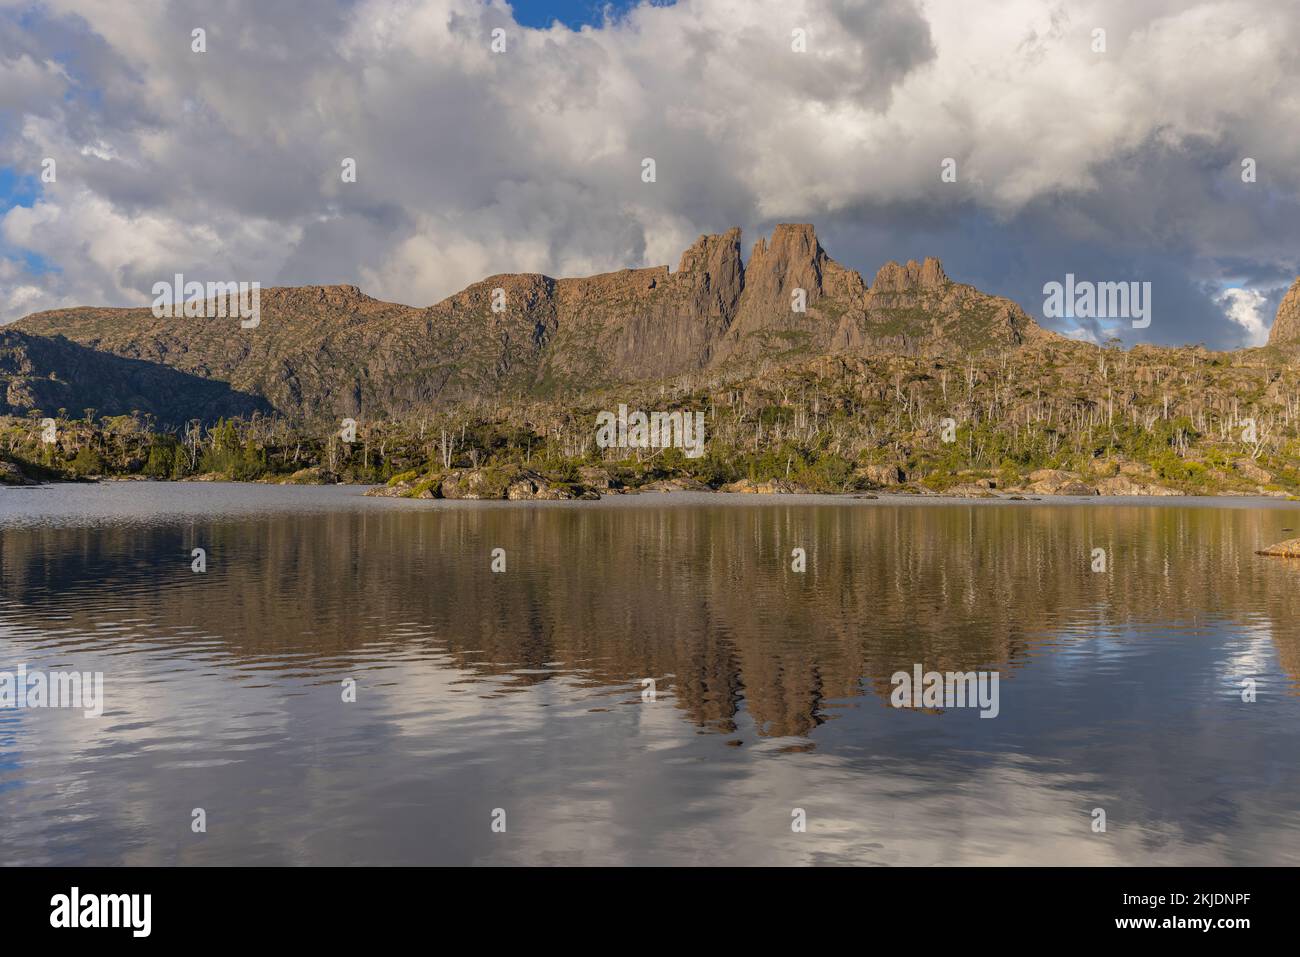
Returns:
<point x="572" y="13"/>
<point x="21" y="190"/>
<point x="17" y="189"/>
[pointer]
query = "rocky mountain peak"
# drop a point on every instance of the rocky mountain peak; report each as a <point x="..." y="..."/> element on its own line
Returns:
<point x="710" y="250"/>
<point x="925" y="275"/>
<point x="713" y="273"/>
<point x="793" y="259"/>
<point x="1286" y="327"/>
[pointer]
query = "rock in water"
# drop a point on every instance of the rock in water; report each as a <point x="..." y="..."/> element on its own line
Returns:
<point x="1288" y="549"/>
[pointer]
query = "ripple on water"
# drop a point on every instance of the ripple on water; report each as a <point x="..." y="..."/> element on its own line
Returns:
<point x="649" y="682"/>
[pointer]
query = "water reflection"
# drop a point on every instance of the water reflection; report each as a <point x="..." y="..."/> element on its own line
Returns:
<point x="522" y="690"/>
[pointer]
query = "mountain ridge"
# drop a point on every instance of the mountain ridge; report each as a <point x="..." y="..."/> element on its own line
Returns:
<point x="331" y="351"/>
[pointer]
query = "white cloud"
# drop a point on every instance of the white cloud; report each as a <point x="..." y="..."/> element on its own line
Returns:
<point x="1246" y="308"/>
<point x="471" y="163"/>
<point x="23" y="80"/>
<point x="107" y="255"/>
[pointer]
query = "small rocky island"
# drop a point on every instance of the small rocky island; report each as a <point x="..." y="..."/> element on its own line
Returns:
<point x="1287" y="549"/>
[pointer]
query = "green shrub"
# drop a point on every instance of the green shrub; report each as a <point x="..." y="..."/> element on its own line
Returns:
<point x="87" y="461"/>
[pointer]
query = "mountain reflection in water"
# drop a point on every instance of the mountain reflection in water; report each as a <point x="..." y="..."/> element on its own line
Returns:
<point x="523" y="690"/>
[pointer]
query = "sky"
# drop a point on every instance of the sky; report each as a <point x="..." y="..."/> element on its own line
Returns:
<point x="572" y="13"/>
<point x="1113" y="156"/>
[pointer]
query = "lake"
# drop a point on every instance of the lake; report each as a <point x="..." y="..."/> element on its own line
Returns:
<point x="647" y="681"/>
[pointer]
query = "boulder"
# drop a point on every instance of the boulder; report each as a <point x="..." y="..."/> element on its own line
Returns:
<point x="528" y="486"/>
<point x="1058" y="482"/>
<point x="475" y="484"/>
<point x="968" y="490"/>
<point x="882" y="475"/>
<point x="770" y="487"/>
<point x="416" y="486"/>
<point x="1249" y="470"/>
<point x="1124" y="485"/>
<point x="594" y="476"/>
<point x="310" y="476"/>
<point x="1287" y="549"/>
<point x="676" y="485"/>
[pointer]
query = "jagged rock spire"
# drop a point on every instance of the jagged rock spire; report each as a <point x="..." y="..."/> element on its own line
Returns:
<point x="1286" y="327"/>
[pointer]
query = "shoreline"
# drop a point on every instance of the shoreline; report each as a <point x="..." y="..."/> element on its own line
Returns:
<point x="699" y="497"/>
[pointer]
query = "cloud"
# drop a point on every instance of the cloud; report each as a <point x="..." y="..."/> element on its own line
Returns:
<point x="1245" y="307"/>
<point x="105" y="255"/>
<point x="472" y="162"/>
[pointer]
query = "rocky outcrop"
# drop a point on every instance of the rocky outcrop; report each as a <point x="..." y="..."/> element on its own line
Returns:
<point x="770" y="487"/>
<point x="1124" y="485"/>
<point x="596" y="477"/>
<point x="1128" y="481"/>
<point x="647" y="323"/>
<point x="314" y="475"/>
<point x="712" y="276"/>
<point x="882" y="475"/>
<point x="794" y="298"/>
<point x="894" y="279"/>
<point x="915" y="308"/>
<point x="1286" y="325"/>
<point x="482" y="484"/>
<point x="11" y="474"/>
<point x="1287" y="549"/>
<point x="1252" y="472"/>
<point x="969" y="490"/>
<point x="679" y="484"/>
<point x="531" y="487"/>
<point x="1058" y="482"/>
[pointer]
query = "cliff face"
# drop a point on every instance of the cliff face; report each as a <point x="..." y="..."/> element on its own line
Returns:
<point x="1286" y="326"/>
<point x="790" y="274"/>
<point x="649" y="323"/>
<point x="331" y="351"/>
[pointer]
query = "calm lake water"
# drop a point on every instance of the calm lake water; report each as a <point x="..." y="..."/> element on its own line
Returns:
<point x="522" y="690"/>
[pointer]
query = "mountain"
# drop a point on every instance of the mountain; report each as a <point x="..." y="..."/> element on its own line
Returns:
<point x="910" y="309"/>
<point x="1286" y="326"/>
<point x="51" y="373"/>
<point x="330" y="351"/>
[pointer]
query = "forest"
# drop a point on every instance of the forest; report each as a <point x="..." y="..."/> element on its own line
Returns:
<point x="1041" y="419"/>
